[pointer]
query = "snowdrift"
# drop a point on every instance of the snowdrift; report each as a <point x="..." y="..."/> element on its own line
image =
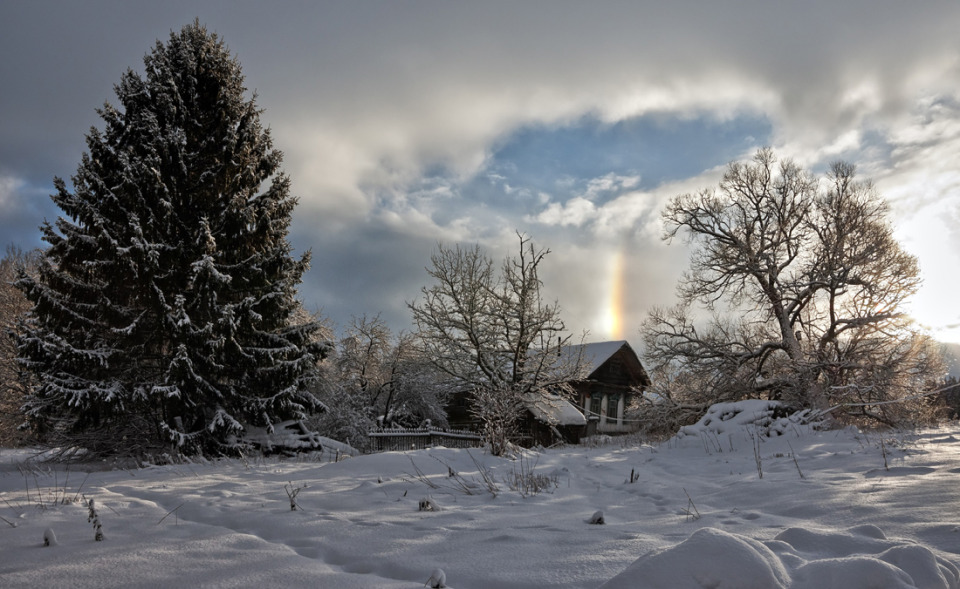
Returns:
<point x="797" y="558"/>
<point x="833" y="509"/>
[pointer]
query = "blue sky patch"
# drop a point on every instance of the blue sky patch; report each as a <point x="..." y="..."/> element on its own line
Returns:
<point x="658" y="148"/>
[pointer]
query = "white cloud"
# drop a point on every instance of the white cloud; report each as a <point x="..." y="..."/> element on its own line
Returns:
<point x="575" y="212"/>
<point x="632" y="211"/>
<point x="366" y="99"/>
<point x="414" y="97"/>
<point x="922" y="182"/>
<point x="8" y="188"/>
<point x="609" y="183"/>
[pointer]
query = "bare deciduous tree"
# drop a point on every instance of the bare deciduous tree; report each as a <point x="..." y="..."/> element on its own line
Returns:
<point x="804" y="285"/>
<point x="391" y="374"/>
<point x="362" y="356"/>
<point x="492" y="333"/>
<point x="377" y="379"/>
<point x="13" y="309"/>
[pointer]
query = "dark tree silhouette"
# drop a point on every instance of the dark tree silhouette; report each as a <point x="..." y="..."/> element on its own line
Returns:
<point x="163" y="310"/>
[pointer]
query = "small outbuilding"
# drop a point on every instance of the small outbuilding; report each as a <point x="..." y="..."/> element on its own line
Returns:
<point x="551" y="419"/>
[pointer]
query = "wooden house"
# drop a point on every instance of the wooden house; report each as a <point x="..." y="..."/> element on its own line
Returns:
<point x="613" y="376"/>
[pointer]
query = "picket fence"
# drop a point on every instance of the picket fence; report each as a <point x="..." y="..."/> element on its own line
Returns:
<point x="394" y="439"/>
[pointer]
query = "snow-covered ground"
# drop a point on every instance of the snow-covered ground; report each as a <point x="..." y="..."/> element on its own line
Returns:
<point x="827" y="512"/>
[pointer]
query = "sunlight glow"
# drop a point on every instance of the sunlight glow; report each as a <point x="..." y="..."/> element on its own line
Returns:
<point x="614" y="315"/>
<point x="929" y="234"/>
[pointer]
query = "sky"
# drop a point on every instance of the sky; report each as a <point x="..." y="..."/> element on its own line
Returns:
<point x="409" y="124"/>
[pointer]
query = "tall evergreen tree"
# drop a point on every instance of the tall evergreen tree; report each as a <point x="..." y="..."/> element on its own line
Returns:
<point x="166" y="298"/>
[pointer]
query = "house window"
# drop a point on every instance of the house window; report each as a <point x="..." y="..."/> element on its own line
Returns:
<point x="595" y="401"/>
<point x="613" y="409"/>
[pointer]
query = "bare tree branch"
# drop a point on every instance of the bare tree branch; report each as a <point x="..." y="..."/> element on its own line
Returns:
<point x="803" y="284"/>
<point x="492" y="334"/>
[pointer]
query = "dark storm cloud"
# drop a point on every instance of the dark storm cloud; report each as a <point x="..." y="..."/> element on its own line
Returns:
<point x="372" y="269"/>
<point x="408" y="123"/>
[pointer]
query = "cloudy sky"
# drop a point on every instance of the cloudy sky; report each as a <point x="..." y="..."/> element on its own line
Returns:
<point x="405" y="124"/>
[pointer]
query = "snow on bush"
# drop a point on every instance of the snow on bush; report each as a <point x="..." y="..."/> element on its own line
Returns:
<point x="769" y="418"/>
<point x="49" y="537"/>
<point x="93" y="517"/>
<point x="437" y="580"/>
<point x="596" y="518"/>
<point x="427" y="504"/>
<point x="334" y="446"/>
<point x="293" y="437"/>
<point x="708" y="558"/>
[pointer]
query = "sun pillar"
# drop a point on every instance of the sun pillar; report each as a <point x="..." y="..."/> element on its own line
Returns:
<point x="614" y="317"/>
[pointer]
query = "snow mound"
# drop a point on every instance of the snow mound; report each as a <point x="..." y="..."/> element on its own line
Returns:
<point x="798" y="558"/>
<point x="769" y="418"/>
<point x="437" y="580"/>
<point x="708" y="558"/>
<point x="292" y="437"/>
<point x="331" y="445"/>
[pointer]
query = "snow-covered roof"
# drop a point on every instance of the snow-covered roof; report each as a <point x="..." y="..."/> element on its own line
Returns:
<point x="553" y="409"/>
<point x="592" y="355"/>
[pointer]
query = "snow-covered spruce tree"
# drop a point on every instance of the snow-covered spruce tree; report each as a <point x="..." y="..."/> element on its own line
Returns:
<point x="164" y="310"/>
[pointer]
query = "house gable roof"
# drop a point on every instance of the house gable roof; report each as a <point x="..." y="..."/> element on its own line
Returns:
<point x="594" y="355"/>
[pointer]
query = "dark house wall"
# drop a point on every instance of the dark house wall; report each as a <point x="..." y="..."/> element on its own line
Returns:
<point x="621" y="376"/>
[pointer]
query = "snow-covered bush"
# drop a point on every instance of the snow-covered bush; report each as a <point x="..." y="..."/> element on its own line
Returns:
<point x="437" y="580"/>
<point x="375" y="379"/>
<point x="766" y="418"/>
<point x="596" y="519"/>
<point x="712" y="557"/>
<point x="428" y="504"/>
<point x="49" y="537"/>
<point x="660" y="416"/>
<point x="286" y="437"/>
<point x="344" y="418"/>
<point x="525" y="480"/>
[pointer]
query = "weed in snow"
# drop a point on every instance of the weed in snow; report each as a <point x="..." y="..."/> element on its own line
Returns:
<point x="292" y="493"/>
<point x="691" y="511"/>
<point x="428" y="504"/>
<point x="94" y="518"/>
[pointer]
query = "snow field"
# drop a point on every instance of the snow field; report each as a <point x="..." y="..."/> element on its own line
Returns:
<point x="697" y="516"/>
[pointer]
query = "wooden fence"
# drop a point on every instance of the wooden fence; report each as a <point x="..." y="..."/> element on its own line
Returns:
<point x="386" y="440"/>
